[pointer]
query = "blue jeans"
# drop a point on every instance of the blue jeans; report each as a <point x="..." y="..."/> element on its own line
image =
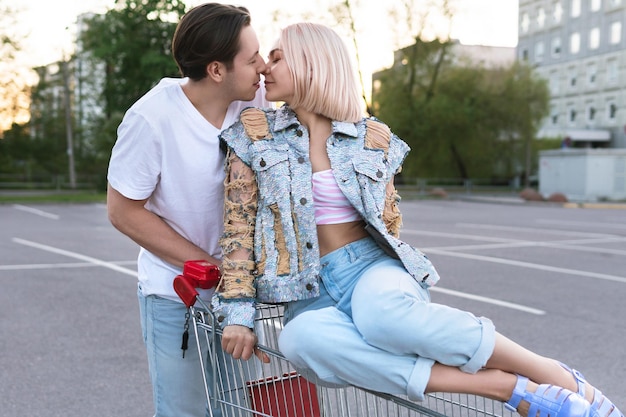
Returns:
<point x="374" y="326"/>
<point x="177" y="383"/>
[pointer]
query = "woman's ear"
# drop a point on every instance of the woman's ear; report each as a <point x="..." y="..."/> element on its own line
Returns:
<point x="216" y="70"/>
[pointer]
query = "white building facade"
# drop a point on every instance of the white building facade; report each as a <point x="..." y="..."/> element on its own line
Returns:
<point x="579" y="47"/>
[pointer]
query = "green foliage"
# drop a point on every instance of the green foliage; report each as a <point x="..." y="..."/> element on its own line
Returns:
<point x="122" y="53"/>
<point x="13" y="89"/>
<point x="15" y="151"/>
<point x="133" y="41"/>
<point x="461" y="121"/>
<point x="131" y="47"/>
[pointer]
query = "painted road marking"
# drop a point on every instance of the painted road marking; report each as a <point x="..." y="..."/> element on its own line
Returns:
<point x="75" y="255"/>
<point x="36" y="211"/>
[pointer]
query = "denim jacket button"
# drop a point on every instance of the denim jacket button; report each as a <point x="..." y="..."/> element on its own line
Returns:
<point x="309" y="245"/>
<point x="301" y="160"/>
<point x="299" y="133"/>
<point x="379" y="174"/>
<point x="303" y="201"/>
<point x="221" y="319"/>
<point x="262" y="163"/>
<point x="309" y="287"/>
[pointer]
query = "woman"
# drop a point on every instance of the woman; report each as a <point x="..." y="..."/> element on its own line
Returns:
<point x="312" y="221"/>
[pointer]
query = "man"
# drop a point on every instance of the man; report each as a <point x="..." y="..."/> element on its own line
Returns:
<point x="166" y="183"/>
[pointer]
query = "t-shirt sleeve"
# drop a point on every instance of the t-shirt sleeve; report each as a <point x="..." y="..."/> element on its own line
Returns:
<point x="135" y="164"/>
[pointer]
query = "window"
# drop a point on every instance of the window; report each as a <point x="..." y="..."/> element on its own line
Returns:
<point x="572" y="115"/>
<point x="554" y="115"/>
<point x="525" y="55"/>
<point x="539" y="49"/>
<point x="612" y="71"/>
<point x="556" y="47"/>
<point x="591" y="113"/>
<point x="594" y="38"/>
<point x="525" y="23"/>
<point x="574" y="43"/>
<point x="611" y="110"/>
<point x="595" y="5"/>
<point x="554" y="83"/>
<point x="541" y="17"/>
<point x="557" y="12"/>
<point x="571" y="72"/>
<point x="575" y="8"/>
<point x="616" y="33"/>
<point x="591" y="74"/>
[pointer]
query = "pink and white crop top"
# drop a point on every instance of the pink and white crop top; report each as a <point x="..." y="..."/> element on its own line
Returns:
<point x="331" y="206"/>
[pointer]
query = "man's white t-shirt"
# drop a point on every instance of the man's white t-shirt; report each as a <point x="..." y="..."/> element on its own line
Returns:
<point x="168" y="152"/>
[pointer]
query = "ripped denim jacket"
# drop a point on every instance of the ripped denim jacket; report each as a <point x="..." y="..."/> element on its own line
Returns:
<point x="269" y="212"/>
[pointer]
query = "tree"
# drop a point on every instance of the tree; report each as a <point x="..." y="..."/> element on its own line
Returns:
<point x="133" y="41"/>
<point x="13" y="90"/>
<point x="129" y="51"/>
<point x="473" y="122"/>
<point x="461" y="119"/>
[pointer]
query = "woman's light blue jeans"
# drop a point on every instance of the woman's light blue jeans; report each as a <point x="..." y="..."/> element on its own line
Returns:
<point x="374" y="326"/>
<point x="177" y="383"/>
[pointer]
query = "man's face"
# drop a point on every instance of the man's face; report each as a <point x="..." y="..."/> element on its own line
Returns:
<point x="244" y="77"/>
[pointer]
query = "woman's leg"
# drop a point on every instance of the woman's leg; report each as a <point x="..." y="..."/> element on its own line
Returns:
<point x="512" y="357"/>
<point x="394" y="313"/>
<point x="336" y="354"/>
<point x="489" y="383"/>
<point x="326" y="342"/>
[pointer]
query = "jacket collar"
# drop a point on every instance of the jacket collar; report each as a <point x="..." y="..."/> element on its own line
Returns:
<point x="286" y="117"/>
<point x="345" y="128"/>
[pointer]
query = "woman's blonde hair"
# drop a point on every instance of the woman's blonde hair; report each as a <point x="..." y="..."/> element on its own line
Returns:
<point x="320" y="65"/>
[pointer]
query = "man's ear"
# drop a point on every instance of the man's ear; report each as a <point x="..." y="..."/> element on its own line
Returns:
<point x="216" y="70"/>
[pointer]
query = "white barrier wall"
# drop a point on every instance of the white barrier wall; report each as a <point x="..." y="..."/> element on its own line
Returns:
<point x="583" y="174"/>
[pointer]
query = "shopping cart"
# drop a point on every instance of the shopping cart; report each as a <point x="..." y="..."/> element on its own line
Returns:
<point x="250" y="388"/>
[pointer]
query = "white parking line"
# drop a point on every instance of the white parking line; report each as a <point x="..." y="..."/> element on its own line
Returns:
<point x="611" y="225"/>
<point x="586" y="274"/>
<point x="532" y="230"/>
<point x="36" y="211"/>
<point x="513" y="243"/>
<point x="75" y="255"/>
<point x="98" y="262"/>
<point x="24" y="267"/>
<point x="489" y="300"/>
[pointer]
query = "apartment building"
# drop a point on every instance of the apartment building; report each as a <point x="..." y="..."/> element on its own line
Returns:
<point x="579" y="47"/>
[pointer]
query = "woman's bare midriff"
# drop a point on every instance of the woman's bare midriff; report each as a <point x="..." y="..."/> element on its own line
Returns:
<point x="334" y="236"/>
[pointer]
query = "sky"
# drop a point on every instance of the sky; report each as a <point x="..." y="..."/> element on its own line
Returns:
<point x="48" y="26"/>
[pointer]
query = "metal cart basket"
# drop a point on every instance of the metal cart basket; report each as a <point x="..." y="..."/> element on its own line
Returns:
<point x="253" y="389"/>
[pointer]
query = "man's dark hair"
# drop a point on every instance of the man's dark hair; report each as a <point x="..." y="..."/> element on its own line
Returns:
<point x="206" y="33"/>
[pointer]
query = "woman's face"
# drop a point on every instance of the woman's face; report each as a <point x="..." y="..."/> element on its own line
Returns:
<point x="278" y="81"/>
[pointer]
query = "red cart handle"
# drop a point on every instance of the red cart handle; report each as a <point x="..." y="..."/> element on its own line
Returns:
<point x="196" y="274"/>
<point x="185" y="290"/>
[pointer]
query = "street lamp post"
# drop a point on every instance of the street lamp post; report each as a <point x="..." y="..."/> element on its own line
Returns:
<point x="68" y="124"/>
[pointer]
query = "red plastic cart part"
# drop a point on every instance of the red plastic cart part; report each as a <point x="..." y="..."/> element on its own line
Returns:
<point x="289" y="395"/>
<point x="201" y="274"/>
<point x="185" y="290"/>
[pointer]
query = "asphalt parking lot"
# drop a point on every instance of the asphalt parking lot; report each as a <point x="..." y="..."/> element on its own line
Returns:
<point x="551" y="278"/>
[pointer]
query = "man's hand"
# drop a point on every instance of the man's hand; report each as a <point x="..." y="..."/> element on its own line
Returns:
<point x="240" y="342"/>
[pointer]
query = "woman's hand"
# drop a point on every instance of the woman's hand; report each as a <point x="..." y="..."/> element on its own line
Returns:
<point x="240" y="342"/>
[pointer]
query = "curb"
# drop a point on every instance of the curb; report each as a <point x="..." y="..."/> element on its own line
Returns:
<point x="615" y="206"/>
<point x="518" y="201"/>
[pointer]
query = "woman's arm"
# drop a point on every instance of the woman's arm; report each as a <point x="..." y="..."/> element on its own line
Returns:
<point x="391" y="213"/>
<point x="240" y="205"/>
